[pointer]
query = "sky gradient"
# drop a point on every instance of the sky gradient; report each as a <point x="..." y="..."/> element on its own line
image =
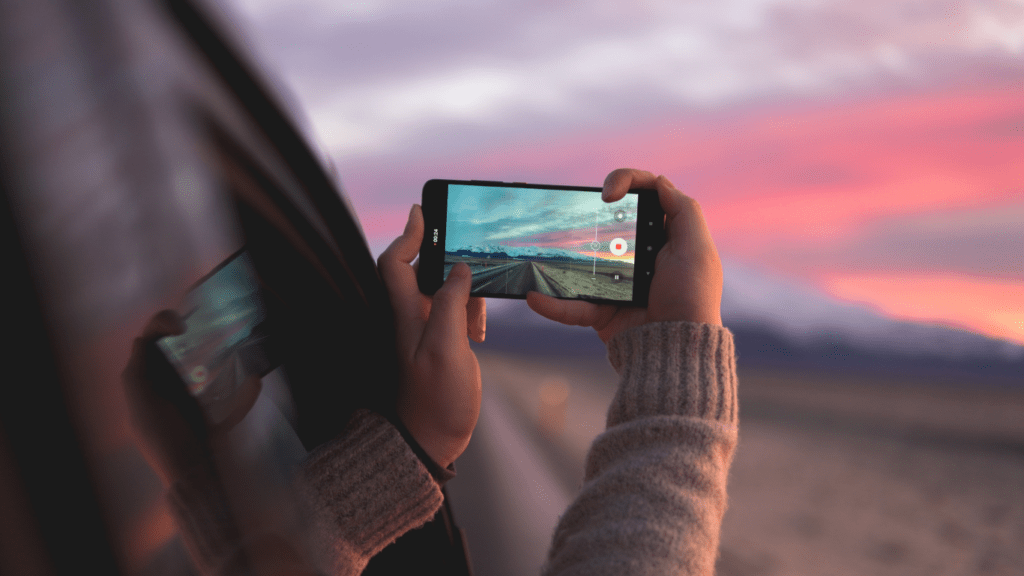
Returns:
<point x="872" y="150"/>
<point x="482" y="215"/>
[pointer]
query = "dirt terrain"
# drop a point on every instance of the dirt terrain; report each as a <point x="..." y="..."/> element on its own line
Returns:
<point x="834" y="474"/>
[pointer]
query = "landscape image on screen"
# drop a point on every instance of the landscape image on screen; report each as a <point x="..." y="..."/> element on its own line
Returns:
<point x="562" y="243"/>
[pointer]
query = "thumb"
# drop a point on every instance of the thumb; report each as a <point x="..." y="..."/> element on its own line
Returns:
<point x="446" y="325"/>
<point x="571" y="312"/>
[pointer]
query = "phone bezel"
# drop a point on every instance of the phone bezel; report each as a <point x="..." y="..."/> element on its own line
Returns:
<point x="435" y="212"/>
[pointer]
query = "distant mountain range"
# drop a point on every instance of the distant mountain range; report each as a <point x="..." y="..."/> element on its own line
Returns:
<point x="527" y="253"/>
<point x="805" y="316"/>
<point x="778" y="324"/>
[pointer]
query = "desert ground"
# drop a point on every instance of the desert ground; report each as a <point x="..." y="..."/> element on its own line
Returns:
<point x="833" y="475"/>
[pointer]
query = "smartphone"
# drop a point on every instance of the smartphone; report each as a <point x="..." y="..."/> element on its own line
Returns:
<point x="563" y="241"/>
<point x="225" y="334"/>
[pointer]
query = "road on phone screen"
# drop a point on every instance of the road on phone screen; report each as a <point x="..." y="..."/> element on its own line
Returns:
<point x="517" y="278"/>
<point x="560" y="279"/>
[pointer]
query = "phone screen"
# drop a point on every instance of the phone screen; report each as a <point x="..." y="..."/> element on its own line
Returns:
<point x="564" y="243"/>
<point x="223" y="342"/>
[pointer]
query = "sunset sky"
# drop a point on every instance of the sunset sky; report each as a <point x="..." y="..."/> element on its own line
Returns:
<point x="873" y="150"/>
<point x="483" y="215"/>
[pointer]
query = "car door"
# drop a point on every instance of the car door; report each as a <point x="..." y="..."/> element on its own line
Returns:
<point x="142" y="149"/>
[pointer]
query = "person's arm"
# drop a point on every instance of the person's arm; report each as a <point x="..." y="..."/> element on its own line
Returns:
<point x="370" y="485"/>
<point x="180" y="441"/>
<point x="439" y="392"/>
<point x="363" y="490"/>
<point x="654" y="491"/>
<point x="359" y="493"/>
<point x="655" y="486"/>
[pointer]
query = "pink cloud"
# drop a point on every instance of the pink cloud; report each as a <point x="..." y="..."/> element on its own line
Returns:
<point x="566" y="238"/>
<point x="797" y="189"/>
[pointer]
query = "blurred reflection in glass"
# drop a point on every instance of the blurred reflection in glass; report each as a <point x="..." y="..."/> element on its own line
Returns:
<point x="212" y="417"/>
<point x="138" y="154"/>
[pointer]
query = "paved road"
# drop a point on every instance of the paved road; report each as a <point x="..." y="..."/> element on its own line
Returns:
<point x="515" y="278"/>
<point x="505" y="497"/>
<point x="514" y="480"/>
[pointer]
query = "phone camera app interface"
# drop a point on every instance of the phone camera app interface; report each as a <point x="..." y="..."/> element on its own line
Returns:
<point x="562" y="243"/>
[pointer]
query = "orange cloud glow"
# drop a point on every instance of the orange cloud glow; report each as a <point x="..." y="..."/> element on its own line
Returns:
<point x="798" y="189"/>
<point x="992" y="307"/>
<point x="578" y="240"/>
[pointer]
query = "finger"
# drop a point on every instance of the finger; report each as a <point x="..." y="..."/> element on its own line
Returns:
<point x="683" y="216"/>
<point x="405" y="248"/>
<point x="399" y="277"/>
<point x="620" y="181"/>
<point x="163" y="323"/>
<point x="571" y="312"/>
<point x="476" y="316"/>
<point x="446" y="326"/>
<point x="672" y="200"/>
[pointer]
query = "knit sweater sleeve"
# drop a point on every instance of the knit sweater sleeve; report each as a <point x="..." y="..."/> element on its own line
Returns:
<point x="365" y="489"/>
<point x="654" y="492"/>
<point x="360" y="492"/>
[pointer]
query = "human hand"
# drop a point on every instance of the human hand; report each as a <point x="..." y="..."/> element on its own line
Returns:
<point x="439" y="396"/>
<point x="177" y="435"/>
<point x="687" y="283"/>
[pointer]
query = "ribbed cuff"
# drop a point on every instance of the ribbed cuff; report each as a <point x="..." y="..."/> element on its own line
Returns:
<point x="674" y="368"/>
<point x="367" y="488"/>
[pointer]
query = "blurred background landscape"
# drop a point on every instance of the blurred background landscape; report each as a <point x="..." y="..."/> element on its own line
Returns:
<point x="859" y="165"/>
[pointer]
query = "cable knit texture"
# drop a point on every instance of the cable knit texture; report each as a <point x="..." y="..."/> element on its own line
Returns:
<point x="365" y="489"/>
<point x="654" y="492"/>
<point x="652" y="500"/>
